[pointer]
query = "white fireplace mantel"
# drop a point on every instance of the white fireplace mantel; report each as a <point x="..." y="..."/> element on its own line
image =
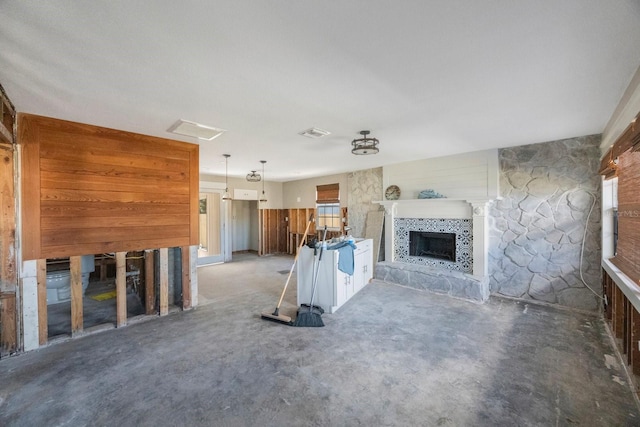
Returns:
<point x="471" y="208"/>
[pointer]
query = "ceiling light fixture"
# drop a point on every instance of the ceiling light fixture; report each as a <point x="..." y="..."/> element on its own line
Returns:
<point x="253" y="177"/>
<point x="263" y="198"/>
<point x="226" y="196"/>
<point x="365" y="145"/>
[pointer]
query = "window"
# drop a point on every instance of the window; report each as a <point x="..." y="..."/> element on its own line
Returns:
<point x="328" y="207"/>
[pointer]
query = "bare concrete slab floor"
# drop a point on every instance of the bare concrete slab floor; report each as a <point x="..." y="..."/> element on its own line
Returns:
<point x="391" y="356"/>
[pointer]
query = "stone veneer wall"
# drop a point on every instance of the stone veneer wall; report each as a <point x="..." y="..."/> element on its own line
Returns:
<point x="536" y="230"/>
<point x="364" y="187"/>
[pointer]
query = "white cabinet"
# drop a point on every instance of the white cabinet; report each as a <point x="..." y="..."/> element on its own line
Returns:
<point x="240" y="194"/>
<point x="334" y="287"/>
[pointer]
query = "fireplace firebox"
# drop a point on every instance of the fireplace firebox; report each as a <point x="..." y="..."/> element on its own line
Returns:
<point x="429" y="244"/>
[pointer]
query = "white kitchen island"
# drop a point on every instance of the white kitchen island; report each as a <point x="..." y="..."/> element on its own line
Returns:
<point x="334" y="287"/>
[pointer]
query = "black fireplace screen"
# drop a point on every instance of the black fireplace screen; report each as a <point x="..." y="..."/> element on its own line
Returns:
<point x="433" y="245"/>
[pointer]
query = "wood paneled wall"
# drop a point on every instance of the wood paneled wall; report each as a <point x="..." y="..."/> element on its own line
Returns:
<point x="89" y="190"/>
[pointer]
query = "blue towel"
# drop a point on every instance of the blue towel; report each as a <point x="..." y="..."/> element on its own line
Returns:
<point x="345" y="258"/>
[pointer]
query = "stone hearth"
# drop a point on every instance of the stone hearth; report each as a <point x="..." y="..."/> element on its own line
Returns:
<point x="467" y="218"/>
<point x="453" y="283"/>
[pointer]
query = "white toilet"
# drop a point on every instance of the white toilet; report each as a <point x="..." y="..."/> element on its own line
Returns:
<point x="59" y="282"/>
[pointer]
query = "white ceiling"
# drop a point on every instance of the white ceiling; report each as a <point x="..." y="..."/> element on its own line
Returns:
<point x="428" y="78"/>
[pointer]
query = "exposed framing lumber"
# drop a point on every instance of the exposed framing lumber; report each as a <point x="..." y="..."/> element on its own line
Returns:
<point x="635" y="340"/>
<point x="164" y="281"/>
<point x="8" y="118"/>
<point x="149" y="282"/>
<point x="9" y="335"/>
<point x="121" y="289"/>
<point x="8" y="275"/>
<point x="43" y="327"/>
<point x="77" y="314"/>
<point x="618" y="312"/>
<point x="186" y="277"/>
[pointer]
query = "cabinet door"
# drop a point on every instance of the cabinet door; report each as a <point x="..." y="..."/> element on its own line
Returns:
<point x="367" y="260"/>
<point x="342" y="283"/>
<point x="358" y="272"/>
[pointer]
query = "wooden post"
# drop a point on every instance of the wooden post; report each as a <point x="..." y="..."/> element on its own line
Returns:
<point x="626" y="329"/>
<point x="618" y="312"/>
<point x="164" y="281"/>
<point x="8" y="274"/>
<point x="149" y="282"/>
<point x="9" y="335"/>
<point x="43" y="328"/>
<point x="635" y="341"/>
<point x="121" y="289"/>
<point x="77" y="314"/>
<point x="186" y="277"/>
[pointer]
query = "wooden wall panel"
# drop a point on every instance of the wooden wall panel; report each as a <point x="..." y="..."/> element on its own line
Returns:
<point x="91" y="190"/>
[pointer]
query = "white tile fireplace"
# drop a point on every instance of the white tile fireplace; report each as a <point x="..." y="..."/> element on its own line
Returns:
<point x="465" y="218"/>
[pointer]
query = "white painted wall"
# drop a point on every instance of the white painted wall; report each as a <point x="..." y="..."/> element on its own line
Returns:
<point x="241" y="218"/>
<point x="273" y="190"/>
<point x="463" y="176"/>
<point x="302" y="193"/>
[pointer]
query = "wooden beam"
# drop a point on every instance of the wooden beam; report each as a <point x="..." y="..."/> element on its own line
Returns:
<point x="149" y="282"/>
<point x="43" y="327"/>
<point x="186" y="277"/>
<point x="77" y="314"/>
<point x="121" y="289"/>
<point x="164" y="281"/>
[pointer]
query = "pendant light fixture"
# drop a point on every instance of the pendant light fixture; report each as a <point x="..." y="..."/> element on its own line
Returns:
<point x="365" y="145"/>
<point x="226" y="196"/>
<point x="253" y="177"/>
<point x="263" y="198"/>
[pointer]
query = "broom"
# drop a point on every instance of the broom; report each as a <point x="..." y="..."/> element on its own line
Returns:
<point x="276" y="316"/>
<point x="311" y="316"/>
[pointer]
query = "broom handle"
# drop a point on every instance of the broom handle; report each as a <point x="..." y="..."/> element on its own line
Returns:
<point x="315" y="279"/>
<point x="294" y="261"/>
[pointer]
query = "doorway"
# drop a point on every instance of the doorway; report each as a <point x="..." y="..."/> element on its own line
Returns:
<point x="211" y="246"/>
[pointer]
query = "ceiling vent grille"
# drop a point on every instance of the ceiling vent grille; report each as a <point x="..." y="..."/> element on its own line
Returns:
<point x="314" y="133"/>
<point x="196" y="130"/>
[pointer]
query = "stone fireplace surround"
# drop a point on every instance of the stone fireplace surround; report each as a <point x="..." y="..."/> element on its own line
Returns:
<point x="459" y="279"/>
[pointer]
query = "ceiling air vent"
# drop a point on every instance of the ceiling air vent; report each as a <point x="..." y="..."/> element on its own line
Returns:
<point x="314" y="133"/>
<point x="196" y="130"/>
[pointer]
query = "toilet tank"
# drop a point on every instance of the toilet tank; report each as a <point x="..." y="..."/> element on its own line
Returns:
<point x="88" y="263"/>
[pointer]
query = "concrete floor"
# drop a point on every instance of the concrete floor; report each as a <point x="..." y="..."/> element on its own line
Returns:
<point x="391" y="356"/>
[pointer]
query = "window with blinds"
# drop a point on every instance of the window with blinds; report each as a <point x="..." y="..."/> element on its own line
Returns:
<point x="623" y="161"/>
<point x="328" y="207"/>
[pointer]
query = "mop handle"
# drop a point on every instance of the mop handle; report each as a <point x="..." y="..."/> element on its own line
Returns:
<point x="295" y="260"/>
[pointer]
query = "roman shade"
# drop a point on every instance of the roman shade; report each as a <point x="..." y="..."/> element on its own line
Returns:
<point x="328" y="193"/>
